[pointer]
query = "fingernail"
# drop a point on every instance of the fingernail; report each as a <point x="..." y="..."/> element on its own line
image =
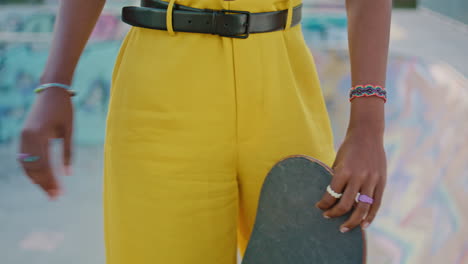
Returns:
<point x="68" y="170"/>
<point x="326" y="216"/>
<point x="52" y="194"/>
<point x="365" y="225"/>
<point x="344" y="229"/>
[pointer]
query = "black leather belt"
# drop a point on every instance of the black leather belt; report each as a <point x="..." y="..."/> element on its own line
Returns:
<point x="226" y="23"/>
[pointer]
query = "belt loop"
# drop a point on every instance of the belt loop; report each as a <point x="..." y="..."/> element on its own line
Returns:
<point x="290" y="13"/>
<point x="170" y="8"/>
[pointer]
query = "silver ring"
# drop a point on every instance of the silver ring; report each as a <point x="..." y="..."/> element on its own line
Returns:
<point x="26" y="157"/>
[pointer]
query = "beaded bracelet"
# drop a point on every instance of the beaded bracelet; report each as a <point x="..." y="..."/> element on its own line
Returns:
<point x="367" y="90"/>
<point x="44" y="86"/>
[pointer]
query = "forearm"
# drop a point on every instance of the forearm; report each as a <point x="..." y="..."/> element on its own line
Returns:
<point x="75" y="22"/>
<point x="368" y="33"/>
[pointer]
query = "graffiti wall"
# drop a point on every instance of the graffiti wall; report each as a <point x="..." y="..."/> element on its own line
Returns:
<point x="24" y="44"/>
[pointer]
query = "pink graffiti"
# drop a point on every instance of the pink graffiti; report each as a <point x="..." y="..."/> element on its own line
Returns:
<point x="106" y="28"/>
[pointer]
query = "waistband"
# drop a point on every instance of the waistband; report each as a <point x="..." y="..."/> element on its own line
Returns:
<point x="228" y="23"/>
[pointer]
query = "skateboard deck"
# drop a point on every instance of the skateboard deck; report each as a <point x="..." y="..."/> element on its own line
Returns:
<point x="289" y="229"/>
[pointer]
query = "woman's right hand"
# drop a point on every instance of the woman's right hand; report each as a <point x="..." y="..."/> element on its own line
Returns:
<point x="50" y="117"/>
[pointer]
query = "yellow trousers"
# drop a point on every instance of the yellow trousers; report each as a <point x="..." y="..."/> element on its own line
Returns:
<point x="195" y="123"/>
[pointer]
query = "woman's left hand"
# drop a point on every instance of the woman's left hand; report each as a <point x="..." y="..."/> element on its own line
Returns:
<point x="360" y="166"/>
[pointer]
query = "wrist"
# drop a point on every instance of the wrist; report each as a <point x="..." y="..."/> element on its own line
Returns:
<point x="55" y="78"/>
<point x="367" y="116"/>
<point x="365" y="130"/>
<point x="364" y="137"/>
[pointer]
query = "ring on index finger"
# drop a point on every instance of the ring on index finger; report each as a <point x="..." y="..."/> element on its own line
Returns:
<point x="333" y="193"/>
<point x="26" y="157"/>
